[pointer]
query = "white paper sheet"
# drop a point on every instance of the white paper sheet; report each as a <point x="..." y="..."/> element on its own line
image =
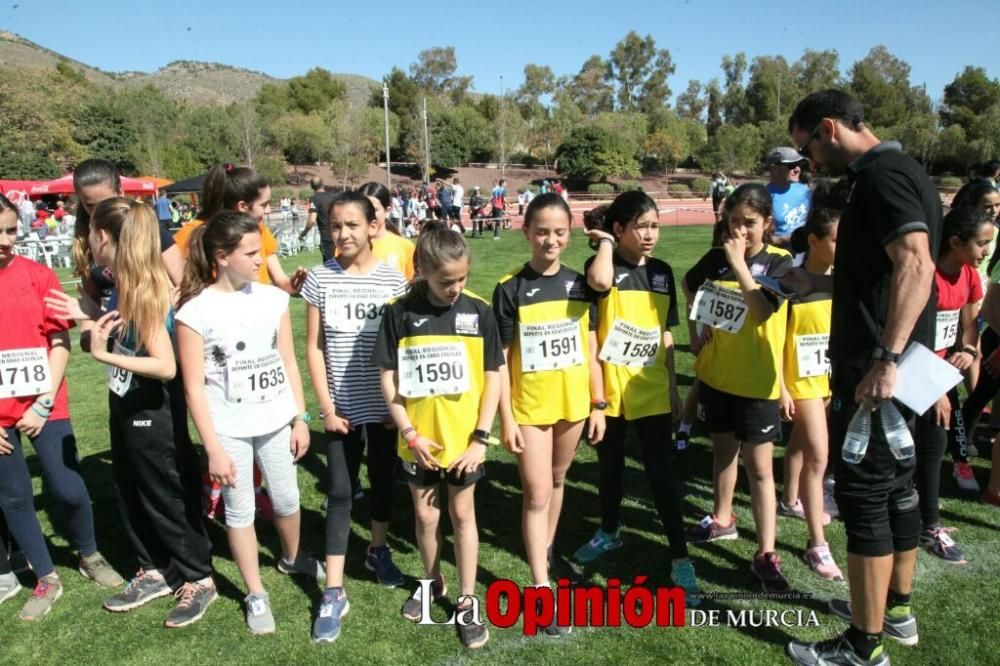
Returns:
<point x="923" y="377"/>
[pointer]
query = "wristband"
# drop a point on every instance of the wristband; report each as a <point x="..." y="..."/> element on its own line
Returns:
<point x="971" y="351"/>
<point x="599" y="405"/>
<point x="304" y="417"/>
<point x="44" y="416"/>
<point x="614" y="244"/>
<point x="410" y="443"/>
<point x="406" y="431"/>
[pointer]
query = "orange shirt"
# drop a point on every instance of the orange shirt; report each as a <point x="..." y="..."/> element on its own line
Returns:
<point x="268" y="245"/>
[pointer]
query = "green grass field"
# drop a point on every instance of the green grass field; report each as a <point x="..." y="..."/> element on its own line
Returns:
<point x="957" y="607"/>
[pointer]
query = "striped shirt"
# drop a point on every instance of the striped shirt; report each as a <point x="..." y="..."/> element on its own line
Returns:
<point x="350" y="306"/>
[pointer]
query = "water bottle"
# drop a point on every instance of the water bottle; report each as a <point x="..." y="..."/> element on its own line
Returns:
<point x="859" y="431"/>
<point x="897" y="434"/>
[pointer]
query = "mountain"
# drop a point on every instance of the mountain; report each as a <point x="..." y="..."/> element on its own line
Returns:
<point x="195" y="82"/>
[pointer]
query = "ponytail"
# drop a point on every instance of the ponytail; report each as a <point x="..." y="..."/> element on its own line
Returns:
<point x="227" y="185"/>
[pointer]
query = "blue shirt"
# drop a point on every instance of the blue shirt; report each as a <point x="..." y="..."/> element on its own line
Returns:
<point x="791" y="206"/>
<point x="444" y="196"/>
<point x="163" y="208"/>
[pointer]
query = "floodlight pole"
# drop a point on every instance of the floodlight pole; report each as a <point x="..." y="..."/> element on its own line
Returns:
<point x="502" y="131"/>
<point x="427" y="148"/>
<point x="388" y="160"/>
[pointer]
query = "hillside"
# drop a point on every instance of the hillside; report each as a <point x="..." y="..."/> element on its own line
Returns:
<point x="194" y="82"/>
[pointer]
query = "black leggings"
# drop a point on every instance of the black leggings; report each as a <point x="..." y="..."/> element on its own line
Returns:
<point x="4" y="555"/>
<point x="343" y="464"/>
<point x="656" y="439"/>
<point x="931" y="441"/>
<point x="986" y="389"/>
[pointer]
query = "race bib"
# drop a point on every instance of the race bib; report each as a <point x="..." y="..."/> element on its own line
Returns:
<point x="434" y="369"/>
<point x="946" y="330"/>
<point x="24" y="372"/>
<point x="120" y="379"/>
<point x="550" y="346"/>
<point x="255" y="378"/>
<point x="357" y="309"/>
<point x="628" y="344"/>
<point x="719" y="307"/>
<point x="812" y="354"/>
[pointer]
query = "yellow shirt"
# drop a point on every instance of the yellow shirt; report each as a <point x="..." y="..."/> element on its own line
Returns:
<point x="808" y="340"/>
<point x="268" y="245"/>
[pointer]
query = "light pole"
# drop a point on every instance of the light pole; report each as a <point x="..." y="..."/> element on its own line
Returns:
<point x="427" y="148"/>
<point x="388" y="160"/>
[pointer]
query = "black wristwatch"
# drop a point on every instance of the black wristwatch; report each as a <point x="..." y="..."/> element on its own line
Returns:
<point x="599" y="405"/>
<point x="481" y="436"/>
<point x="882" y="353"/>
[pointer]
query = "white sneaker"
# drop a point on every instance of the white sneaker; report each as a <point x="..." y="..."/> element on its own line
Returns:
<point x="9" y="586"/>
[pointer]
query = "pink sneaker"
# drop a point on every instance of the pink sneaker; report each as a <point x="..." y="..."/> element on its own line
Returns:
<point x="821" y="561"/>
<point x="965" y="478"/>
<point x="798" y="511"/>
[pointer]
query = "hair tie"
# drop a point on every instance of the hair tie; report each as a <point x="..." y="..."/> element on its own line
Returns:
<point x="229" y="167"/>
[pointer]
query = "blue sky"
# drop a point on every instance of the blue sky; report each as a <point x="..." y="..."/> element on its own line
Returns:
<point x="287" y="37"/>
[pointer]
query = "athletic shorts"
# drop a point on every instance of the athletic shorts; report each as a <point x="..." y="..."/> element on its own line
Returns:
<point x="752" y="420"/>
<point x="415" y="475"/>
<point x="876" y="498"/>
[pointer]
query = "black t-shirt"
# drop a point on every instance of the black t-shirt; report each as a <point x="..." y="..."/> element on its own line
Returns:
<point x="320" y="204"/>
<point x="891" y="196"/>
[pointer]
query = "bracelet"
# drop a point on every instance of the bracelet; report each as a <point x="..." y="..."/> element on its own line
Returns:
<point x="614" y="243"/>
<point x="304" y="417"/>
<point x="44" y="416"/>
<point x="406" y="431"/>
<point x="971" y="351"/>
<point x="410" y="443"/>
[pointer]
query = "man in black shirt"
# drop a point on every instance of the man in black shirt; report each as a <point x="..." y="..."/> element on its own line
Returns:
<point x="319" y="213"/>
<point x="883" y="298"/>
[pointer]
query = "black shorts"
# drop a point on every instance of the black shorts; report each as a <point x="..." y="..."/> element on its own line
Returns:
<point x="497" y="213"/>
<point x="876" y="498"/>
<point x="415" y="475"/>
<point x="752" y="420"/>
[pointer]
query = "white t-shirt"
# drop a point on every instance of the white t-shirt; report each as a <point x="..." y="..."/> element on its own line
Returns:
<point x="458" y="194"/>
<point x="349" y="339"/>
<point x="245" y="379"/>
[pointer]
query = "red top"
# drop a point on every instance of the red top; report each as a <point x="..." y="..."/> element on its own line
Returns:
<point x="27" y="323"/>
<point x="953" y="293"/>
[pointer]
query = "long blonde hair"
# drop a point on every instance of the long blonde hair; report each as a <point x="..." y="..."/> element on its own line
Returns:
<point x="144" y="288"/>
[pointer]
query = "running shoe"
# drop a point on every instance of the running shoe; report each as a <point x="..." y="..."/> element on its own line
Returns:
<point x="473" y="635"/>
<point x="193" y="599"/>
<point x="413" y="608"/>
<point x="821" y="561"/>
<point x="990" y="497"/>
<point x="99" y="570"/>
<point x="765" y="567"/>
<point x="835" y="651"/>
<point x="709" y="529"/>
<point x="46" y="592"/>
<point x="938" y="543"/>
<point x="898" y="623"/>
<point x="682" y="574"/>
<point x="797" y="510"/>
<point x="602" y="544"/>
<point x="260" y="620"/>
<point x="143" y="588"/>
<point x="305" y="564"/>
<point x="9" y="586"/>
<point x="964" y="477"/>
<point x="682" y="440"/>
<point x="332" y="607"/>
<point x="379" y="560"/>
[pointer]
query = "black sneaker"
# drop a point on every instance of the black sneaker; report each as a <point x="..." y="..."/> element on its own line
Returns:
<point x="473" y="636"/>
<point x="143" y="588"/>
<point x="836" y="650"/>
<point x="896" y="624"/>
<point x="193" y="599"/>
<point x="560" y="567"/>
<point x="413" y="608"/>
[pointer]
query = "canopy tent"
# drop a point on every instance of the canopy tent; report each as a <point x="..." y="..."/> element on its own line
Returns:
<point x="186" y="186"/>
<point x="159" y="182"/>
<point x="64" y="185"/>
<point x="15" y="190"/>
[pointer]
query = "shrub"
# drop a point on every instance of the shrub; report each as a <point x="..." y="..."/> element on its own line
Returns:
<point x="950" y="181"/>
<point x="629" y="186"/>
<point x="680" y="189"/>
<point x="601" y="188"/>
<point x="701" y="184"/>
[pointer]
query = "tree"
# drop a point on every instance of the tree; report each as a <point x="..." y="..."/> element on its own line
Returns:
<point x="302" y="138"/>
<point x="538" y="81"/>
<point x="772" y="90"/>
<point x="881" y="82"/>
<point x="105" y="133"/>
<point x="734" y="100"/>
<point x="630" y="128"/>
<point x="733" y="148"/>
<point x="970" y="94"/>
<point x="27" y="166"/>
<point x="590" y="89"/>
<point x="591" y="152"/>
<point x="640" y="71"/>
<point x="690" y="103"/>
<point x="211" y="135"/>
<point x="817" y="70"/>
<point x="434" y="72"/>
<point x="313" y="92"/>
<point x="459" y="134"/>
<point x="714" y="103"/>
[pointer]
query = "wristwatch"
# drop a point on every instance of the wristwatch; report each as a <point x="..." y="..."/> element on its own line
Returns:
<point x="882" y="353"/>
<point x="600" y="405"/>
<point x="45" y="403"/>
<point x="481" y="436"/>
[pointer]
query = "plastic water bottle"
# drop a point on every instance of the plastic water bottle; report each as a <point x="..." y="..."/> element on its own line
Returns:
<point x="897" y="434"/>
<point x="859" y="431"/>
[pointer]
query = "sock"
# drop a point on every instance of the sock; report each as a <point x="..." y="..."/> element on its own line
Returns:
<point x="865" y="645"/>
<point x="897" y="605"/>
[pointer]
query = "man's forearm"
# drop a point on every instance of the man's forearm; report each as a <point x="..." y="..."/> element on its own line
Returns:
<point x="912" y="275"/>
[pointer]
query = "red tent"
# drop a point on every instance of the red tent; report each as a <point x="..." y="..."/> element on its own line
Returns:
<point x="64" y="185"/>
<point x="16" y="189"/>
